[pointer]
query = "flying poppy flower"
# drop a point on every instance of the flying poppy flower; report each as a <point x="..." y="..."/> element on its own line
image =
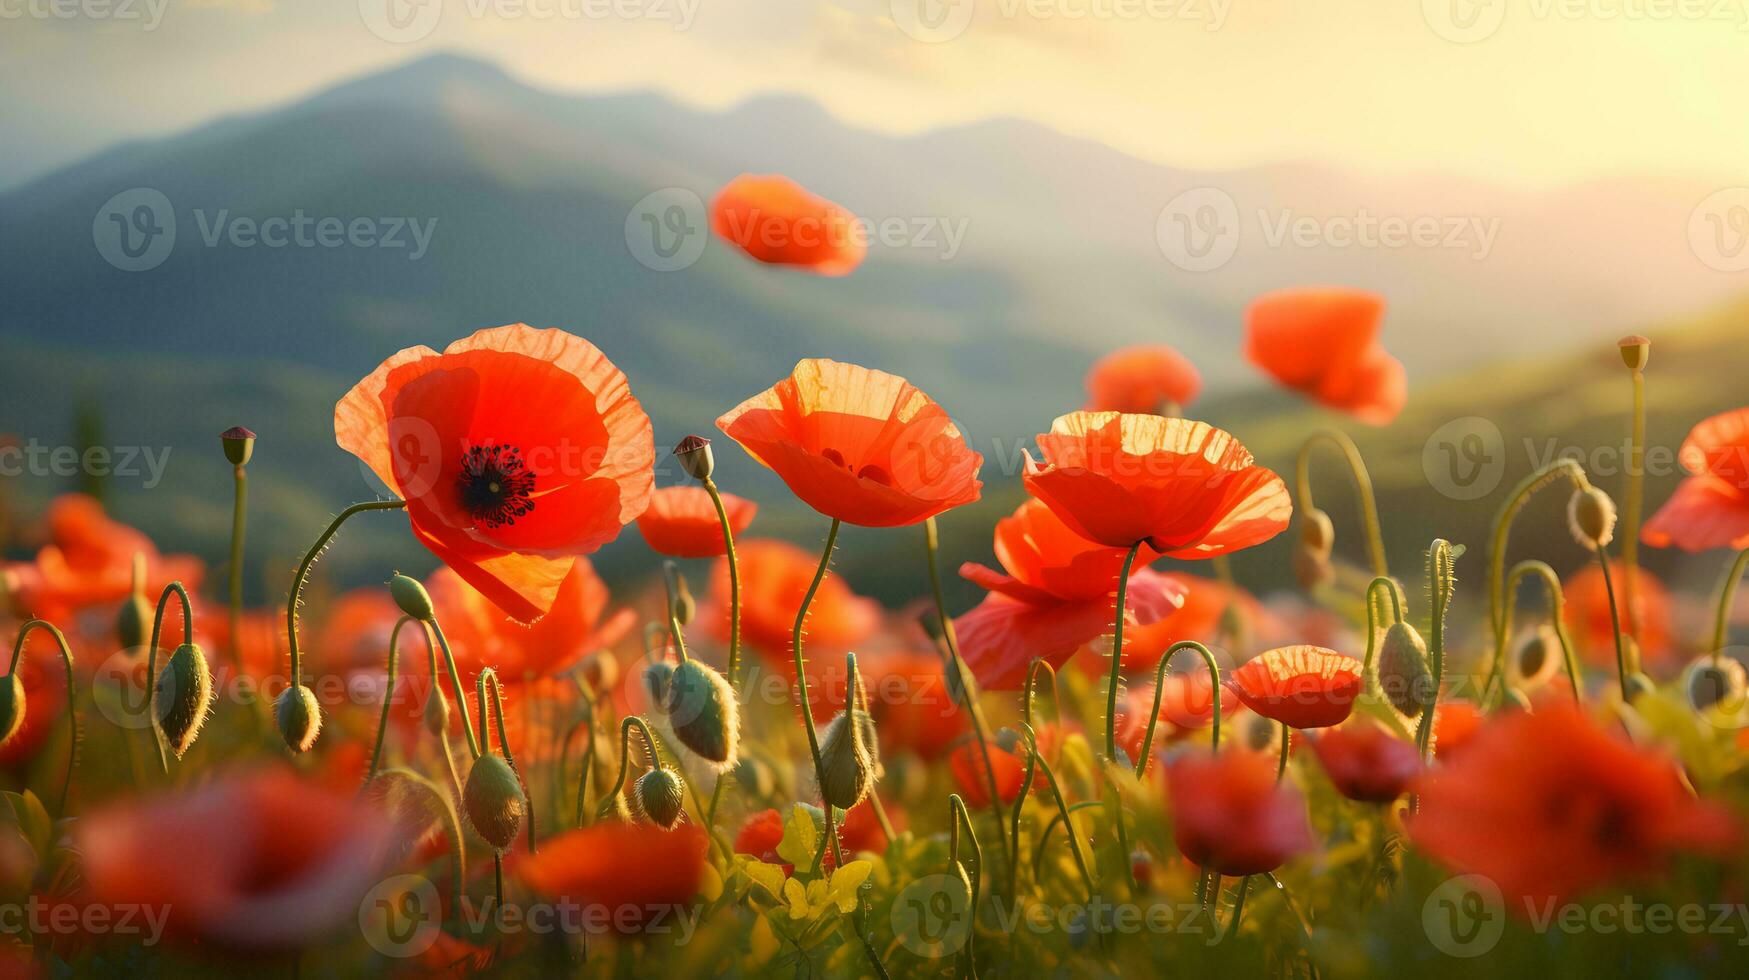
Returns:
<point x="1151" y="379"/>
<point x="1588" y="614"/>
<point x="1455" y="724"/>
<point x="1365" y="762"/>
<point x="262" y="860"/>
<point x="862" y="446"/>
<point x="1323" y="343"/>
<point x="1299" y="686"/>
<point x="632" y="872"/>
<point x="910" y="701"/>
<point x="1549" y="804"/>
<point x="777" y="221"/>
<point x="1185" y="489"/>
<point x="681" y="522"/>
<point x="89" y="561"/>
<point x="1710" y="508"/>
<point x="516" y="450"/>
<point x="1058" y="594"/>
<point x="1230" y="815"/>
<point x="774" y="579"/>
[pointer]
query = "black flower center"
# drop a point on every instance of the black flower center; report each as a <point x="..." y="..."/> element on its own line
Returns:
<point x="495" y="485"/>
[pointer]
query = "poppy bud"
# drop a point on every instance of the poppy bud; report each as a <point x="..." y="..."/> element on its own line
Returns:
<point x="184" y="694"/>
<point x="657" y="678"/>
<point x="1311" y="569"/>
<point x="694" y="454"/>
<point x="437" y="713"/>
<point x="494" y="801"/>
<point x="1537" y="657"/>
<point x="1638" y="685"/>
<point x="1403" y="671"/>
<point x="1714" y="683"/>
<point x="1591" y="517"/>
<point x="601" y="672"/>
<point x="659" y="794"/>
<point x="846" y="765"/>
<point x="1316" y="532"/>
<point x="1258" y="733"/>
<point x="11" y="707"/>
<point x="755" y="777"/>
<point x="704" y="715"/>
<point x="1635" y="352"/>
<point x="298" y="717"/>
<point x="684" y="606"/>
<point x="239" y="444"/>
<point x="411" y="597"/>
<point x="134" y="621"/>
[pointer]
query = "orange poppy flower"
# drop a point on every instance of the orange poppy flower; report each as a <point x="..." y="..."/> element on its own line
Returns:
<point x="1323" y="343"/>
<point x="1151" y="379"/>
<point x="859" y="445"/>
<point x="1588" y="614"/>
<point x="1365" y="762"/>
<point x="1199" y="618"/>
<point x="1550" y="805"/>
<point x="516" y="449"/>
<point x="1299" y="686"/>
<point x="263" y="860"/>
<point x="88" y="561"/>
<point x="910" y="701"/>
<point x="483" y="636"/>
<point x="1007" y="761"/>
<point x="774" y="579"/>
<point x="1710" y="508"/>
<point x="681" y="522"/>
<point x="776" y="221"/>
<point x="628" y="874"/>
<point x="1230" y="815"/>
<point x="1057" y="596"/>
<point x="1186" y="489"/>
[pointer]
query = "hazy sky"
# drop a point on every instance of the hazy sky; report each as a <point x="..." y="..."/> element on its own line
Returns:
<point x="1520" y="91"/>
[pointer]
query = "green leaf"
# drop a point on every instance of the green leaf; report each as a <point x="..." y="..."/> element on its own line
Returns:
<point x="801" y="838"/>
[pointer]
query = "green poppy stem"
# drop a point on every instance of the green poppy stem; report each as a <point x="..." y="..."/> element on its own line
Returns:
<point x="376" y="755"/>
<point x="1369" y="506"/>
<point x="488" y="679"/>
<point x="455" y="681"/>
<point x="1557" y="614"/>
<point x="1621" y="656"/>
<point x="1441" y="587"/>
<point x="239" y="512"/>
<point x="1521" y="494"/>
<point x="1727" y="599"/>
<point x="1632" y="503"/>
<point x="801" y="665"/>
<point x="152" y="662"/>
<point x="734" y="671"/>
<point x="303" y="575"/>
<point x="72" y="699"/>
<point x="1208" y="659"/>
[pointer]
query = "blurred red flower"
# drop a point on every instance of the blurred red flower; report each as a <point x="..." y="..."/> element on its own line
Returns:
<point x="631" y="874"/>
<point x="1186" y="489"/>
<point x="1199" y="618"/>
<point x="1710" y="508"/>
<point x="1547" y="804"/>
<point x="1230" y="815"/>
<point x="1299" y="686"/>
<point x="776" y="221"/>
<point x="681" y="522"/>
<point x="774" y="579"/>
<point x="1365" y="762"/>
<point x="910" y="701"/>
<point x="1323" y="343"/>
<point x="859" y="445"/>
<point x="1149" y="379"/>
<point x="88" y="561"/>
<point x="516" y="449"/>
<point x="1588" y="614"/>
<point x="1455" y="724"/>
<point x="483" y="636"/>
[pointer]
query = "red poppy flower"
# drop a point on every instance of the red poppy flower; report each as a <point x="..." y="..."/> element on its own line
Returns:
<point x="1323" y="343"/>
<point x="88" y="561"/>
<point x="1299" y="686"/>
<point x="483" y="636"/>
<point x="257" y="861"/>
<point x="910" y="702"/>
<point x="1455" y="724"/>
<point x="1710" y="509"/>
<point x="1007" y="761"/>
<point x="1365" y="762"/>
<point x="1548" y="804"/>
<point x="1588" y="614"/>
<point x="1150" y="379"/>
<point x="1186" y="489"/>
<point x="633" y="873"/>
<point x="1230" y="815"/>
<point x="859" y="445"/>
<point x="760" y="835"/>
<point x="516" y="449"/>
<point x="777" y="221"/>
<point x="681" y="522"/>
<point x="1205" y="601"/>
<point x="774" y="579"/>
<point x="1057" y="596"/>
<point x="1187" y="704"/>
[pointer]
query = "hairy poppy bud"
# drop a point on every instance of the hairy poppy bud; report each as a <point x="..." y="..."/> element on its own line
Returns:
<point x="1635" y="352"/>
<point x="1537" y="657"/>
<point x="657" y="678"/>
<point x="755" y="777"/>
<point x="134" y="622"/>
<point x="1311" y="569"/>
<point x="704" y="715"/>
<point x="1404" y="675"/>
<point x="239" y="444"/>
<point x="694" y="454"/>
<point x="1591" y="517"/>
<point x="494" y="801"/>
<point x="411" y="597"/>
<point x="11" y="707"/>
<point x="437" y="713"/>
<point x="183" y="696"/>
<point x="1316" y="532"/>
<point x="846" y="765"/>
<point x="685" y="606"/>
<point x="1714" y="683"/>
<point x="659" y="794"/>
<point x="298" y="717"/>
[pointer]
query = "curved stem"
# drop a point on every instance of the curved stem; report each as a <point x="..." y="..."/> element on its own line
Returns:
<point x="1621" y="657"/>
<point x="488" y="678"/>
<point x="152" y="661"/>
<point x="1727" y="599"/>
<point x="437" y="692"/>
<point x="239" y="511"/>
<point x="1441" y="586"/>
<point x="1208" y="659"/>
<point x="303" y="575"/>
<point x="1238" y="905"/>
<point x="1521" y="495"/>
<point x="1557" y="614"/>
<point x="958" y="815"/>
<point x="670" y="574"/>
<point x="1373" y="623"/>
<point x="1062" y="817"/>
<point x="455" y="681"/>
<point x="1369" y="507"/>
<point x="1014" y="823"/>
<point x="376" y="755"/>
<point x="72" y="699"/>
<point x="1123" y="582"/>
<point x="802" y="665"/>
<point x="710" y="487"/>
<point x="1062" y="812"/>
<point x="625" y="754"/>
<point x="1026" y="705"/>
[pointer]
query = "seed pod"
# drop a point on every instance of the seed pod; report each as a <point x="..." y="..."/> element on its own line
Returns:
<point x="133" y="624"/>
<point x="494" y="801"/>
<point x="1635" y="352"/>
<point x="704" y="715"/>
<point x="1714" y="683"/>
<point x="1591" y="517"/>
<point x="846" y="767"/>
<point x="657" y="679"/>
<point x="694" y="454"/>
<point x="659" y="794"/>
<point x="239" y="444"/>
<point x="11" y="707"/>
<point x="298" y="717"/>
<point x="1403" y="671"/>
<point x="183" y="696"/>
<point x="1536" y="658"/>
<point x="411" y="597"/>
